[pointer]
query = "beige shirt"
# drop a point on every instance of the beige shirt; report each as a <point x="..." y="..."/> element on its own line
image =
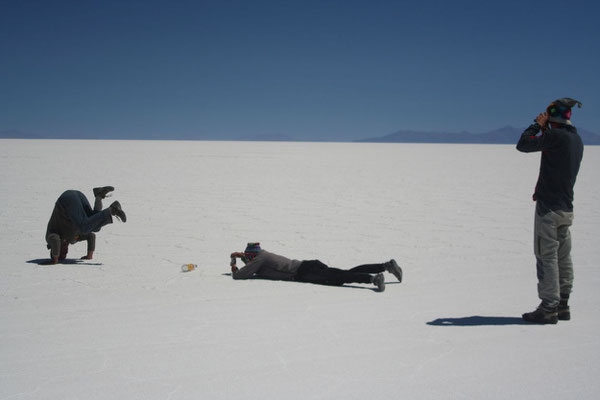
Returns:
<point x="269" y="266"/>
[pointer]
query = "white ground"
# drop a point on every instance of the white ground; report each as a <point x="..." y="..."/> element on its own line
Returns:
<point x="131" y="325"/>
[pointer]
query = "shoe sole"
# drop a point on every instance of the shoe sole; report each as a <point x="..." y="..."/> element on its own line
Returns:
<point x="118" y="211"/>
<point x="103" y="191"/>
<point x="396" y="270"/>
<point x="550" y="321"/>
<point x="121" y="216"/>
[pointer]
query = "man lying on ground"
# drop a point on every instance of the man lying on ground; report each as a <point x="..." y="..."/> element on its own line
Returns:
<point x="262" y="264"/>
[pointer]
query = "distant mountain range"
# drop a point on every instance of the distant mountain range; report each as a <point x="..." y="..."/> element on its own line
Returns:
<point x="506" y="135"/>
<point x="17" y="134"/>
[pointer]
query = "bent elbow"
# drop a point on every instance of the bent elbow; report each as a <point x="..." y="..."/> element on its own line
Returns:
<point x="524" y="147"/>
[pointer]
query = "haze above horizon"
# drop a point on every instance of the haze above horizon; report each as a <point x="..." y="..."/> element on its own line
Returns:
<point x="312" y="70"/>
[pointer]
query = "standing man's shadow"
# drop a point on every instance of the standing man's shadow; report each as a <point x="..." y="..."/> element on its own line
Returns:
<point x="478" y="320"/>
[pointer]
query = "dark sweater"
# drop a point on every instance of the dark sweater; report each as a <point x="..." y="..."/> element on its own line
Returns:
<point x="62" y="228"/>
<point x="562" y="151"/>
<point x="61" y="224"/>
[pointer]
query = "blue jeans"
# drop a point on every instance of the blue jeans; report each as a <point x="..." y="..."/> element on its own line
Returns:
<point x="82" y="216"/>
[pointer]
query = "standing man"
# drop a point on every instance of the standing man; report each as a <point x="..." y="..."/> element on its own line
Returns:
<point x="262" y="264"/>
<point x="73" y="220"/>
<point x="562" y="151"/>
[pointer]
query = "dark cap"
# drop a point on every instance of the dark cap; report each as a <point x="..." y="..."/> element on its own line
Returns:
<point x="560" y="110"/>
<point x="252" y="249"/>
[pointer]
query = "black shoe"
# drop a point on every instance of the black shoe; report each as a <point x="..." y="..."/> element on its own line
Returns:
<point x="103" y="191"/>
<point x="564" y="313"/>
<point x="379" y="281"/>
<point x="116" y="210"/>
<point x="393" y="268"/>
<point x="541" y="316"/>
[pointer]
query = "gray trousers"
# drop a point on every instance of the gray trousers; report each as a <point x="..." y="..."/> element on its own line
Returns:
<point x="552" y="246"/>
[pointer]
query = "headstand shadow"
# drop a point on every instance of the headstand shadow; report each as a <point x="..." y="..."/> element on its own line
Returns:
<point x="69" y="261"/>
<point x="478" y="320"/>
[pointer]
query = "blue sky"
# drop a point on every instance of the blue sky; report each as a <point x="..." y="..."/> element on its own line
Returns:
<point x="342" y="69"/>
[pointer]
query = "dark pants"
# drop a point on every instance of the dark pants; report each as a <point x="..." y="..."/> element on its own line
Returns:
<point x="77" y="208"/>
<point x="314" y="271"/>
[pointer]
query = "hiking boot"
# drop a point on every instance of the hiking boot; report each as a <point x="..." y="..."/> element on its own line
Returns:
<point x="117" y="211"/>
<point x="379" y="281"/>
<point x="394" y="268"/>
<point x="564" y="313"/>
<point x="541" y="316"/>
<point x="102" y="191"/>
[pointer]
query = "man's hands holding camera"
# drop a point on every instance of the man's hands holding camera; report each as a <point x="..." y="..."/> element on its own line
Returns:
<point x="233" y="260"/>
<point x="542" y="120"/>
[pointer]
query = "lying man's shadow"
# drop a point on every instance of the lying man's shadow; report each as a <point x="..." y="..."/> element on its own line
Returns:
<point x="478" y="320"/>
<point x="68" y="261"/>
<point x="309" y="283"/>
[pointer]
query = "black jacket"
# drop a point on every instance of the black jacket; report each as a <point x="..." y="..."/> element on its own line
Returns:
<point x="562" y="151"/>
